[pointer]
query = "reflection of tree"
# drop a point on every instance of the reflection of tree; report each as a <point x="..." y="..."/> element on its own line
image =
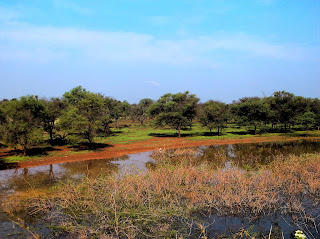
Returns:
<point x="22" y="180"/>
<point x="91" y="168"/>
<point x="255" y="154"/>
<point x="216" y="155"/>
<point x="123" y="157"/>
<point x="51" y="174"/>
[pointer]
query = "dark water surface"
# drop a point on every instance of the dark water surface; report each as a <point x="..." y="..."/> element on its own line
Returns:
<point x="18" y="182"/>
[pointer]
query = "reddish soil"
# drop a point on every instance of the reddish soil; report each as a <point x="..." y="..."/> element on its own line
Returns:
<point x="118" y="150"/>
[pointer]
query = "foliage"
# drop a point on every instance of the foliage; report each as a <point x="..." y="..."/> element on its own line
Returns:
<point x="21" y="123"/>
<point x="53" y="109"/>
<point x="308" y="119"/>
<point x="252" y="111"/>
<point x="213" y="114"/>
<point x="140" y="111"/>
<point x="84" y="114"/>
<point x="176" y="110"/>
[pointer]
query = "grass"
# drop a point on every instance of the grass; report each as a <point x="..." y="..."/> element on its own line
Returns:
<point x="129" y="133"/>
<point x="137" y="133"/>
<point x="167" y="202"/>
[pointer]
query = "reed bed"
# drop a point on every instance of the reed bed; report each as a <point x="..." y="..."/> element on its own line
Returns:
<point x="167" y="200"/>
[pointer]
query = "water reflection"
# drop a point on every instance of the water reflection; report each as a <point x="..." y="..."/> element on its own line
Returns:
<point x="43" y="177"/>
<point x="252" y="155"/>
<point x="220" y="156"/>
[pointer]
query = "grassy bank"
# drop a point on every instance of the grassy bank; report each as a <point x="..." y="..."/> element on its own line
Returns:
<point x="173" y="198"/>
<point x="129" y="133"/>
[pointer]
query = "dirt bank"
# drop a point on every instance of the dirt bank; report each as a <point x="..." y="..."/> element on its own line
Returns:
<point x="67" y="154"/>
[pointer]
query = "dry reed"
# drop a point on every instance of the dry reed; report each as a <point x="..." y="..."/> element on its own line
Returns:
<point x="164" y="201"/>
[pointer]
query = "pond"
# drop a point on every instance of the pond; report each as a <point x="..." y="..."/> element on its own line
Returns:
<point x="24" y="181"/>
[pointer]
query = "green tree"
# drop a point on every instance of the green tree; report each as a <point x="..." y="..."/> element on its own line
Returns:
<point x="22" y="122"/>
<point x="282" y="105"/>
<point x="251" y="111"/>
<point x="83" y="117"/>
<point x="308" y="119"/>
<point x="315" y="108"/>
<point x="174" y="110"/>
<point x="113" y="108"/>
<point x="53" y="109"/>
<point x="213" y="114"/>
<point x="140" y="111"/>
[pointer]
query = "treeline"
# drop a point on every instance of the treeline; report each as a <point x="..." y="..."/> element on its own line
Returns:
<point x="80" y="114"/>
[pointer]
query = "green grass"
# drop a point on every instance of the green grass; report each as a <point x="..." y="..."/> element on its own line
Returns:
<point x="128" y="133"/>
<point x="136" y="133"/>
<point x="17" y="158"/>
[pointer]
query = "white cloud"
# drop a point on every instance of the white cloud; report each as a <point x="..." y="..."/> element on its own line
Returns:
<point x="41" y="44"/>
<point x="152" y="83"/>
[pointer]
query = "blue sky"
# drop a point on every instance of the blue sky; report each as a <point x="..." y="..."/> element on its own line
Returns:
<point x="134" y="49"/>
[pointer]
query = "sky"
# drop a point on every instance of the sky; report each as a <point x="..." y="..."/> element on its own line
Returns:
<point x="133" y="49"/>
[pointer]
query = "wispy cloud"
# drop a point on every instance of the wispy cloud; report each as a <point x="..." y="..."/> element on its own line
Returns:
<point x="8" y="15"/>
<point x="152" y="83"/>
<point x="41" y="44"/>
<point x="160" y="20"/>
<point x="75" y="7"/>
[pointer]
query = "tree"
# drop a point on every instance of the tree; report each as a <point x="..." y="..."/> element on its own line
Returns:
<point x="252" y="111"/>
<point x="84" y="114"/>
<point x="282" y="105"/>
<point x="174" y="110"/>
<point x="213" y="114"/>
<point x="113" y="108"/>
<point x="125" y="108"/>
<point x="22" y="122"/>
<point x="315" y="108"/>
<point x="53" y="109"/>
<point x="308" y="119"/>
<point x="140" y="111"/>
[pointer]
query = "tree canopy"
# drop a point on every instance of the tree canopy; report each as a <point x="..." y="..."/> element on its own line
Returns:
<point x="175" y="110"/>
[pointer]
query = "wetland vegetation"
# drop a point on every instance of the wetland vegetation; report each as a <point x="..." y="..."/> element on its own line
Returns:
<point x="228" y="191"/>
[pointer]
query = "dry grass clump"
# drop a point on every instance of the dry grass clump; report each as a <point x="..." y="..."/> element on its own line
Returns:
<point x="164" y="201"/>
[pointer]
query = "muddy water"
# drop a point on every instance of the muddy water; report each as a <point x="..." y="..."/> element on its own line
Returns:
<point x="22" y="182"/>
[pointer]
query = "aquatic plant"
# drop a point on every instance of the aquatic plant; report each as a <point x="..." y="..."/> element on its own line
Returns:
<point x="165" y="201"/>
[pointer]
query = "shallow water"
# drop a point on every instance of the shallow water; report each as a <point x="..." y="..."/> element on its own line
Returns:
<point x="21" y="181"/>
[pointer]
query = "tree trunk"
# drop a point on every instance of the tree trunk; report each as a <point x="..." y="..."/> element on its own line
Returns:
<point x="255" y="130"/>
<point x="24" y="151"/>
<point x="116" y="123"/>
<point x="108" y="130"/>
<point x="218" y="131"/>
<point x="51" y="134"/>
<point x="179" y="133"/>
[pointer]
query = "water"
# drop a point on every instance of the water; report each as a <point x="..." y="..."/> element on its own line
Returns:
<point x="27" y="181"/>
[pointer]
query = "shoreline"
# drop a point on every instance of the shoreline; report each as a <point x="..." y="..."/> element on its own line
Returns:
<point x="118" y="150"/>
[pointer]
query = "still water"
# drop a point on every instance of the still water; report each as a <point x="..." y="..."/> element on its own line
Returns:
<point x="22" y="181"/>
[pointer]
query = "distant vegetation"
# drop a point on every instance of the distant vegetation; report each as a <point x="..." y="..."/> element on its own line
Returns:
<point x="83" y="115"/>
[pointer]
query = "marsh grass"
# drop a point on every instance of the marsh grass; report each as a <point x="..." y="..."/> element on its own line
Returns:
<point x="167" y="200"/>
